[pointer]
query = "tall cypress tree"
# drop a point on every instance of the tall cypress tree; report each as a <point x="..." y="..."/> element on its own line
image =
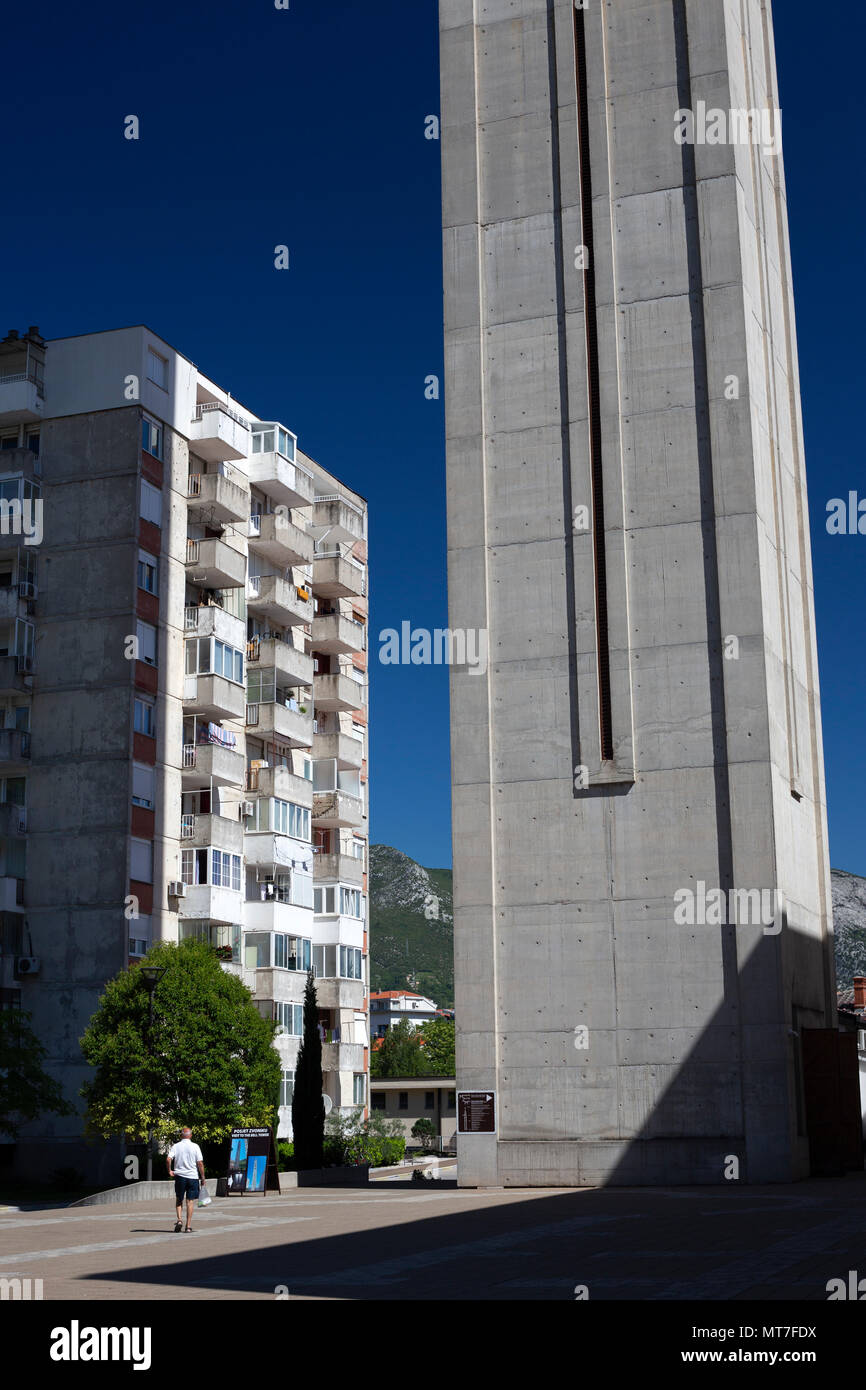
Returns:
<point x="308" y="1110"/>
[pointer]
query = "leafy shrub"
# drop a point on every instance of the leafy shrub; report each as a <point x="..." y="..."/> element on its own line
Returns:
<point x="285" y="1156"/>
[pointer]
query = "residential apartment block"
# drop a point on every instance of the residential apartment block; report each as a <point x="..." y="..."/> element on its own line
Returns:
<point x="183" y="703"/>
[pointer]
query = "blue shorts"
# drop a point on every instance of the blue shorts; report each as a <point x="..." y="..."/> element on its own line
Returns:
<point x="186" y="1187"/>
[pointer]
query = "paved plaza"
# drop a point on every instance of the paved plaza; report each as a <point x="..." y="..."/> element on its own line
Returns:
<point x="398" y="1242"/>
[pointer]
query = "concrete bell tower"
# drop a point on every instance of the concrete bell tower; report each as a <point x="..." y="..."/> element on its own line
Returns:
<point x="641" y="877"/>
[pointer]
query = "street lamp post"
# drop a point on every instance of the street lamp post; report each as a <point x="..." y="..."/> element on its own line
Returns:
<point x="151" y="974"/>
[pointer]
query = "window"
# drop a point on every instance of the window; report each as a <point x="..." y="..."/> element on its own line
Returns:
<point x="287" y="1088"/>
<point x="141" y="860"/>
<point x="403" y="1100"/>
<point x="290" y="1018"/>
<point x="157" y="369"/>
<point x="452" y="1099"/>
<point x="324" y="900"/>
<point x="350" y="902"/>
<point x="146" y="634"/>
<point x="144" y="722"/>
<point x="378" y="1100"/>
<point x="137" y="946"/>
<point x="147" y="572"/>
<point x="429" y="1100"/>
<point x="287" y="819"/>
<point x="207" y="656"/>
<point x="150" y="506"/>
<point x="263" y="442"/>
<point x="151" y="437"/>
<point x="193" y="866"/>
<point x="9" y="441"/>
<point x="359" y="1089"/>
<point x="32" y="442"/>
<point x="350" y="963"/>
<point x="142" y="785"/>
<point x="226" y="870"/>
<point x="228" y="662"/>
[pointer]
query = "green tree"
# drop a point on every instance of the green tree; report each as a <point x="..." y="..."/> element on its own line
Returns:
<point x="209" y="1062"/>
<point x="26" y="1090"/>
<point x="401" y="1053"/>
<point x="425" y="1130"/>
<point x="308" y="1108"/>
<point x="438" y="1037"/>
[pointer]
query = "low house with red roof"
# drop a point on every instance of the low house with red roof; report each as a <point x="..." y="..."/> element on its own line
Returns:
<point x="388" y="1006"/>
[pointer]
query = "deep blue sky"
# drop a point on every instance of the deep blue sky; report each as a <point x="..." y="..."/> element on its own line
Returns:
<point x="306" y="127"/>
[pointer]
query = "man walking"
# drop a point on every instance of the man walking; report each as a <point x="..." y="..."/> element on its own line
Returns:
<point x="186" y="1165"/>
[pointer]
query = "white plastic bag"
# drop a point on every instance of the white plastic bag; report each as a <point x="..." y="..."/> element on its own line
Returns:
<point x="205" y="1199"/>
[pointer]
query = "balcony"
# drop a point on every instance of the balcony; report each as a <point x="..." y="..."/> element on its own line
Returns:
<point x="280" y="540"/>
<point x="293" y="667"/>
<point x="206" y="764"/>
<point x="21" y="398"/>
<point x="269" y="596"/>
<point x="277" y="723"/>
<point x="201" y="831"/>
<point x="14" y="747"/>
<point x="333" y="809"/>
<point x="347" y="751"/>
<point x="337" y="692"/>
<point x="15" y="674"/>
<point x="13" y="820"/>
<point x="218" y="497"/>
<point x="338" y="868"/>
<point x="334" y="993"/>
<point x="275" y="916"/>
<point x="284" y="482"/>
<point x="345" y="521"/>
<point x="280" y="782"/>
<point x="205" y="903"/>
<point x="213" y="698"/>
<point x="338" y="576"/>
<point x="215" y="565"/>
<point x="217" y="433"/>
<point x="209" y="620"/>
<point x="342" y="1056"/>
<point x="333" y="632"/>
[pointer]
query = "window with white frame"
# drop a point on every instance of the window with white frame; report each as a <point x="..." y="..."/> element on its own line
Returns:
<point x="287" y="1088"/>
<point x="325" y="900"/>
<point x="144" y="721"/>
<point x="208" y="656"/>
<point x="148" y="567"/>
<point x="226" y="870"/>
<point x="141" y="860"/>
<point x="157" y="369"/>
<point x="151" y="437"/>
<point x="143" y="781"/>
<point x="290" y="1018"/>
<point x="150" y="505"/>
<point x="139" y="936"/>
<point x="350" y="963"/>
<point x="351" y="902"/>
<point x="359" y="1089"/>
<point x="146" y="634"/>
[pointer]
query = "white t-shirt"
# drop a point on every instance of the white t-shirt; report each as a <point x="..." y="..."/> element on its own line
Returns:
<point x="183" y="1157"/>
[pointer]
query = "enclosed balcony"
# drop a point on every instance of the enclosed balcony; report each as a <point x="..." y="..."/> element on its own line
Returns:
<point x="281" y="542"/>
<point x="344" y="521"/>
<point x="280" y="782"/>
<point x="209" y="902"/>
<point x="333" y="691"/>
<point x="211" y="764"/>
<point x="215" y="565"/>
<point x="338" y="576"/>
<point x="346" y="751"/>
<point x="15" y="674"/>
<point x="213" y="698"/>
<point x="334" y="632"/>
<point x="292" y="666"/>
<point x="278" y="600"/>
<point x="275" y="722"/>
<point x="217" y="433"/>
<point x="337" y="808"/>
<point x="217" y="497"/>
<point x="198" y="831"/>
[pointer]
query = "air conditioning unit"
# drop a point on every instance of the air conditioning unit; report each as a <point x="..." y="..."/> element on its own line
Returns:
<point x="27" y="965"/>
<point x="27" y="588"/>
<point x="177" y="888"/>
<point x="247" y="808"/>
<point x="23" y="664"/>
